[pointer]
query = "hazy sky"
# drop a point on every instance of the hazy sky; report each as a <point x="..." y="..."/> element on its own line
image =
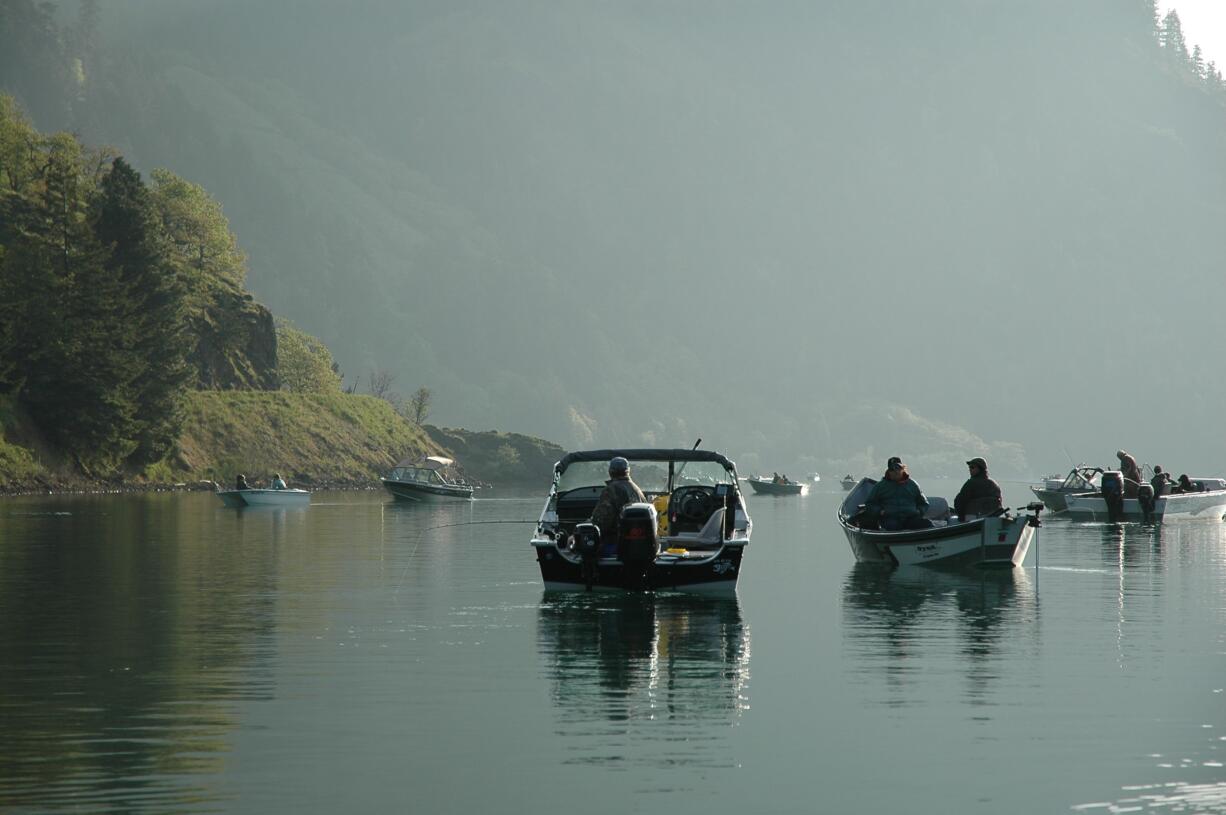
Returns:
<point x="1204" y="24"/>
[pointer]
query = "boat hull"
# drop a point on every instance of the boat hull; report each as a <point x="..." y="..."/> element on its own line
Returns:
<point x="265" y="498"/>
<point x="771" y="488"/>
<point x="426" y="493"/>
<point x="714" y="572"/>
<point x="1189" y="506"/>
<point x="999" y="541"/>
<point x="1054" y="500"/>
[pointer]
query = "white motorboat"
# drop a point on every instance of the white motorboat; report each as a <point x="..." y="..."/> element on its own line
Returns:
<point x="426" y="480"/>
<point x="990" y="541"/>
<point x="1208" y="504"/>
<point x="1056" y="488"/>
<point x="265" y="498"/>
<point x="691" y="536"/>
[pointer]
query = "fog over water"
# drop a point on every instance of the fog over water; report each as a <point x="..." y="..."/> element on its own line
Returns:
<point x="813" y="234"/>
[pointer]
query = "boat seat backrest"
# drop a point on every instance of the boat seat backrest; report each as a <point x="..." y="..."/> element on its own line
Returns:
<point x="711" y="536"/>
<point x="938" y="509"/>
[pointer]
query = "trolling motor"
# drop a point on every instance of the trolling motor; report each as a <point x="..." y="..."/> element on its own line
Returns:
<point x="1145" y="497"/>
<point x="1113" y="495"/>
<point x="587" y="544"/>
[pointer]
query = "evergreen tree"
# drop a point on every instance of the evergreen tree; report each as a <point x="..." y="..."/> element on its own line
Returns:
<point x="1197" y="62"/>
<point x="79" y="362"/>
<point x="1170" y="37"/>
<point x="139" y="261"/>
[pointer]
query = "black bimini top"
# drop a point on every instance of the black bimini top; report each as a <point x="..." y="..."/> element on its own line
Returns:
<point x="647" y="454"/>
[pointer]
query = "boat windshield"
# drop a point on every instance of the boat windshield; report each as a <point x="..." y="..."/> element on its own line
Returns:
<point x="651" y="476"/>
<point x="1087" y="480"/>
<point x="417" y="474"/>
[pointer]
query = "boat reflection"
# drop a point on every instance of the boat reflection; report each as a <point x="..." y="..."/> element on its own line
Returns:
<point x="898" y="620"/>
<point x="642" y="678"/>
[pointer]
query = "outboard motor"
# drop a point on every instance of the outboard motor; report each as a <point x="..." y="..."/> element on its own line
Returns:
<point x="1145" y="497"/>
<point x="587" y="544"/>
<point x="1113" y="495"/>
<point x="639" y="545"/>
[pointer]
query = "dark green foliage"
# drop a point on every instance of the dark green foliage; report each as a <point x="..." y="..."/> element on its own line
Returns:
<point x="153" y="297"/>
<point x="91" y="310"/>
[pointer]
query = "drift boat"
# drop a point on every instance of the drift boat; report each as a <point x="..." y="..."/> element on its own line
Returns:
<point x="425" y="480"/>
<point x="264" y="498"/>
<point x="765" y="486"/>
<point x="690" y="536"/>
<point x="999" y="540"/>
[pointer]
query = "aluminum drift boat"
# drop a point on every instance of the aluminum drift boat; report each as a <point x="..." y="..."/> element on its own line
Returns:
<point x="765" y="486"/>
<point x="425" y="481"/>
<point x="1000" y="540"/>
<point x="264" y="498"/>
<point x="1208" y="505"/>
<point x="691" y="536"/>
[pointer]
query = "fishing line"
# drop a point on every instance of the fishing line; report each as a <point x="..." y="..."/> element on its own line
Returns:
<point x="420" y="532"/>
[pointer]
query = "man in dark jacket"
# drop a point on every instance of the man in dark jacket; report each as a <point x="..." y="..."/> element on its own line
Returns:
<point x="1161" y="482"/>
<point x="619" y="490"/>
<point x="897" y="501"/>
<point x="980" y="495"/>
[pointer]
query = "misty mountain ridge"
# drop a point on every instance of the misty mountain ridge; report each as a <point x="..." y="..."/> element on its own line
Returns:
<point x="772" y="228"/>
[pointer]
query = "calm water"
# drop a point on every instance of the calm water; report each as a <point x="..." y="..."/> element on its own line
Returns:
<point x="163" y="654"/>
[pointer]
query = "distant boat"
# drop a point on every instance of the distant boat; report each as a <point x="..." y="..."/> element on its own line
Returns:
<point x="848" y="483"/>
<point x="425" y="480"/>
<point x="264" y="498"/>
<point x="768" y="486"/>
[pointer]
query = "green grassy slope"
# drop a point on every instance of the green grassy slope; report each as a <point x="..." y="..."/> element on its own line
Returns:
<point x="310" y="439"/>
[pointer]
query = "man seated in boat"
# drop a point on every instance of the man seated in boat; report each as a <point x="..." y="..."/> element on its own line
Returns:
<point x="619" y="490"/>
<point x="1161" y="482"/>
<point x="240" y="483"/>
<point x="1185" y="485"/>
<point x="277" y="482"/>
<point x="897" y="501"/>
<point x="980" y="495"/>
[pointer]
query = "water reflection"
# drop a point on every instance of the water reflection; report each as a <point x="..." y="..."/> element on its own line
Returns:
<point x="125" y="642"/>
<point x="643" y="678"/>
<point x="898" y="621"/>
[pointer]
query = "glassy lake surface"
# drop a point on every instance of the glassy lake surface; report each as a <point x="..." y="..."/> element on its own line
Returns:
<point x="160" y="653"/>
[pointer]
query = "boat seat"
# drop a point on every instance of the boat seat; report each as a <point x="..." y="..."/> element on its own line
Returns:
<point x="711" y="536"/>
<point x="938" y="510"/>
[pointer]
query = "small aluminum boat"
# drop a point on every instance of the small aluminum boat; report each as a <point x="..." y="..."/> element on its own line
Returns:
<point x="1000" y="540"/>
<point x="766" y="486"/>
<point x="264" y="498"/>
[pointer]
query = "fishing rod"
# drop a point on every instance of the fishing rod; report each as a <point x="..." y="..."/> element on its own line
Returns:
<point x="420" y="532"/>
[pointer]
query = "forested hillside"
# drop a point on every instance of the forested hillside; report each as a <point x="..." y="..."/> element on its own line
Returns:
<point x="792" y="230"/>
